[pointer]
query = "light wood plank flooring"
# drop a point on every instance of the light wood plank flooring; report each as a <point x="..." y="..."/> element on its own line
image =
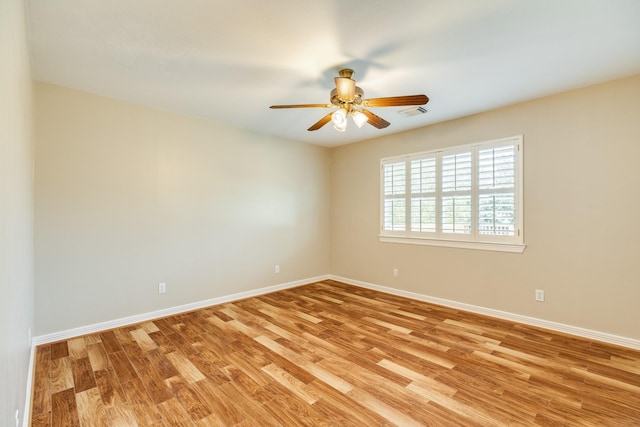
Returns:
<point x="330" y="354"/>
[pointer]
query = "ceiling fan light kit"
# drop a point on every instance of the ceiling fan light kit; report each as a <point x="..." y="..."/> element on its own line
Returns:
<point x="339" y="119"/>
<point x="350" y="101"/>
<point x="359" y="118"/>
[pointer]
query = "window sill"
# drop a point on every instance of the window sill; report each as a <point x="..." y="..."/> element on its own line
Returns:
<point x="483" y="246"/>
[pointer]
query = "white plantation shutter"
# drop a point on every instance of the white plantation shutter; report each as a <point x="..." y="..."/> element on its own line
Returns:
<point x="457" y="178"/>
<point x="456" y="214"/>
<point x="463" y="194"/>
<point x="496" y="186"/>
<point x="423" y="215"/>
<point x="394" y="183"/>
<point x="456" y="172"/>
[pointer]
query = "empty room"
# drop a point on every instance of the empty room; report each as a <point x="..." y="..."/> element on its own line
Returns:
<point x="319" y="213"/>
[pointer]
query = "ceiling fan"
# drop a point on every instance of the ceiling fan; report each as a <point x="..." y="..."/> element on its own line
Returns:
<point x="349" y="99"/>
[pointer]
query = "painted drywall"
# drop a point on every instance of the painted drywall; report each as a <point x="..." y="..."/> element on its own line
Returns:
<point x="16" y="210"/>
<point x="581" y="201"/>
<point x="128" y="197"/>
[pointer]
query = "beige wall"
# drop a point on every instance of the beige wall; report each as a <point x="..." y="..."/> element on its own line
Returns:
<point x="16" y="210"/>
<point x="582" y="204"/>
<point x="127" y="197"/>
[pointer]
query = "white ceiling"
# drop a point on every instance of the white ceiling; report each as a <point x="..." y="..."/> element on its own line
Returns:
<point x="229" y="60"/>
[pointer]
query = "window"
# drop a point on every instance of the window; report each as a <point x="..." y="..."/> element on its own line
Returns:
<point x="468" y="196"/>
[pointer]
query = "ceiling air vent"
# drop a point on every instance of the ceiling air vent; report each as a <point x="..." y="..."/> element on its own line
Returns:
<point x="414" y="111"/>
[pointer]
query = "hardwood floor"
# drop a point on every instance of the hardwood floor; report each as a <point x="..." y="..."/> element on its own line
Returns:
<point x="336" y="355"/>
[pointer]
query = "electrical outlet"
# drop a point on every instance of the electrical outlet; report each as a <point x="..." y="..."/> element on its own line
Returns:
<point x="539" y="295"/>
<point x="395" y="272"/>
<point x="17" y="417"/>
<point x="162" y="288"/>
<point x="29" y="334"/>
<point x="277" y="268"/>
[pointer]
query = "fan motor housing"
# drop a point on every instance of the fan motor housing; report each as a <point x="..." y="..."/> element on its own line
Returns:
<point x="357" y="99"/>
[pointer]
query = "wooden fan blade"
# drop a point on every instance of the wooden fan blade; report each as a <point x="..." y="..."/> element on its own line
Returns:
<point x="375" y="120"/>
<point x="396" y="101"/>
<point x="304" y="106"/>
<point x="323" y="121"/>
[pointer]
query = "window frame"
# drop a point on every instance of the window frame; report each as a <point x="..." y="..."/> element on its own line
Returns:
<point x="474" y="240"/>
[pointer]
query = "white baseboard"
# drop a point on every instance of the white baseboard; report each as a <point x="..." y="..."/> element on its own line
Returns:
<point x="558" y="327"/>
<point x="546" y="324"/>
<point x="144" y="317"/>
<point x="26" y="415"/>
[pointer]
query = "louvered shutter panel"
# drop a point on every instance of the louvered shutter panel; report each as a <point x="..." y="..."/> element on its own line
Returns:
<point x="394" y="183"/>
<point x="496" y="186"/>
<point x="457" y="178"/>
<point x="423" y="195"/>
